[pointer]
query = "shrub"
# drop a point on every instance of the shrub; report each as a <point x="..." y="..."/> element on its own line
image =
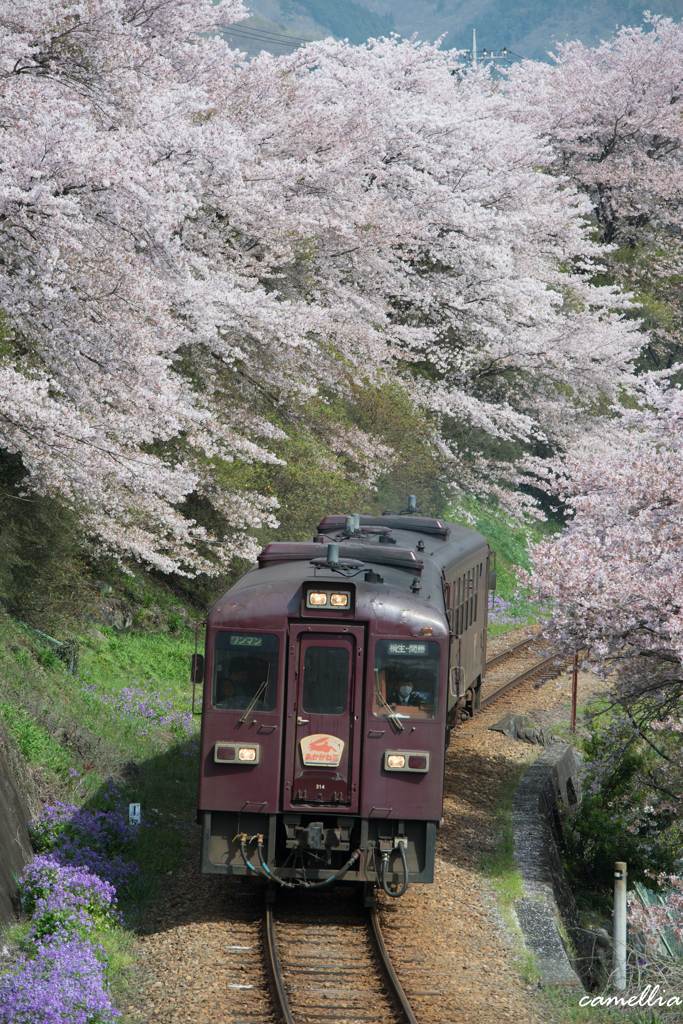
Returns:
<point x="48" y="658"/>
<point x="619" y="818"/>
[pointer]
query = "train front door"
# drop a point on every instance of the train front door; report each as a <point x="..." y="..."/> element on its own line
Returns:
<point x="324" y="698"/>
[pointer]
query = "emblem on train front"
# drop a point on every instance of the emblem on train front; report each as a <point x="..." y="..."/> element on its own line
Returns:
<point x="322" y="749"/>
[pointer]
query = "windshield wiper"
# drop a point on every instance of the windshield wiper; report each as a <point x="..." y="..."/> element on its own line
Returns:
<point x="257" y="696"/>
<point x="387" y="707"/>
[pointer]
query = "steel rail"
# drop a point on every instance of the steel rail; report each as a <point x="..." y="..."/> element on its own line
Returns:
<point x="511" y="683"/>
<point x="399" y="996"/>
<point x="273" y="966"/>
<point x="509" y="652"/>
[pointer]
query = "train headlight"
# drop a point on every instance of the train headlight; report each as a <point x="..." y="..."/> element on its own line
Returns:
<point x="317" y="600"/>
<point x="235" y="753"/>
<point x="339" y="600"/>
<point x="406" y="761"/>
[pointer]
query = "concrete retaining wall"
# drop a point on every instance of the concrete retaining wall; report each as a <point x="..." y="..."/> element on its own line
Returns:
<point x="15" y="814"/>
<point x="547" y="909"/>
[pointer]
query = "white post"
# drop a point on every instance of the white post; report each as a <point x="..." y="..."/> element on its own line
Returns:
<point x="619" y="967"/>
<point x="474" y="47"/>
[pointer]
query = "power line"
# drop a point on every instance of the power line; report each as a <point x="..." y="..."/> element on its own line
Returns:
<point x="263" y="39"/>
<point x="260" y="35"/>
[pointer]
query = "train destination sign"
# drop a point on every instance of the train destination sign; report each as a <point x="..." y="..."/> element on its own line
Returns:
<point x="407" y="648"/>
<point x="320" y="748"/>
<point x="243" y="640"/>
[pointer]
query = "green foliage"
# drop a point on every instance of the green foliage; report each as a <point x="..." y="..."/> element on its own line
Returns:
<point x="501" y="865"/>
<point x="652" y="268"/>
<point x="41" y="559"/>
<point x="174" y="622"/>
<point x="161" y="660"/>
<point x="48" y="658"/>
<point x="34" y="741"/>
<point x="510" y="606"/>
<point x="604" y="827"/>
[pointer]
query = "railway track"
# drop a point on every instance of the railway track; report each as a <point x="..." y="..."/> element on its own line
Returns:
<point x="509" y="652"/>
<point x="327" y="961"/>
<point x="528" y="672"/>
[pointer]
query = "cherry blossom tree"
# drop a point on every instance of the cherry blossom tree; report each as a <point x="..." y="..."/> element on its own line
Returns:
<point x="615" y="575"/>
<point x="99" y="104"/>
<point x="192" y="243"/>
<point x="614" y="578"/>
<point x="612" y="115"/>
<point x="430" y="218"/>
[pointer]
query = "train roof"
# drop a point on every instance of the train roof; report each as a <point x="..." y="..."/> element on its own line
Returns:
<point x="406" y="551"/>
<point x="444" y="543"/>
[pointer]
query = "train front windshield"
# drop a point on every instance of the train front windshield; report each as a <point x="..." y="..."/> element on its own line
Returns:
<point x="245" y="671"/>
<point x="406" y="679"/>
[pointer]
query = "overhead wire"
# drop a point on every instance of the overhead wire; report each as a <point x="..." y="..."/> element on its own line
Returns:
<point x="262" y="35"/>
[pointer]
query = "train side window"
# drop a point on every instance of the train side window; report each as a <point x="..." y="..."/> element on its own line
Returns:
<point x="406" y="679"/>
<point x="244" y="670"/>
<point x="326" y="680"/>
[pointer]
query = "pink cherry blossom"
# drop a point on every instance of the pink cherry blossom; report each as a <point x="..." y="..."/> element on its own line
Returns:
<point x="190" y="240"/>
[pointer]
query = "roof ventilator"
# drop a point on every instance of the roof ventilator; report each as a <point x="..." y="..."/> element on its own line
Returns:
<point x="416" y="586"/>
<point x="372" y="577"/>
<point x="412" y="507"/>
<point x="344" y="566"/>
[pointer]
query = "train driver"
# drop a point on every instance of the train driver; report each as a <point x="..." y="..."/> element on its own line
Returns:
<point x="410" y="692"/>
<point x="404" y="695"/>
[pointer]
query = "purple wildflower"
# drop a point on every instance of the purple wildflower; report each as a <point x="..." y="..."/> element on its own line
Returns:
<point x="106" y="831"/>
<point x="145" y="709"/>
<point x="94" y="840"/>
<point x="64" y="984"/>
<point x="66" y="899"/>
<point x="516" y="611"/>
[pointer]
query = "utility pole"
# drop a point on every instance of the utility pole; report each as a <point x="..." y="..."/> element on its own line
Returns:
<point x="575" y="687"/>
<point x="486" y="56"/>
<point x="619" y="965"/>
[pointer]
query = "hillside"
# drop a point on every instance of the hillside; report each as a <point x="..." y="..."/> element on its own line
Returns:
<point x="527" y="28"/>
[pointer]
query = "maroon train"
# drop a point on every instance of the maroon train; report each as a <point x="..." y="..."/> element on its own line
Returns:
<point x="333" y="674"/>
